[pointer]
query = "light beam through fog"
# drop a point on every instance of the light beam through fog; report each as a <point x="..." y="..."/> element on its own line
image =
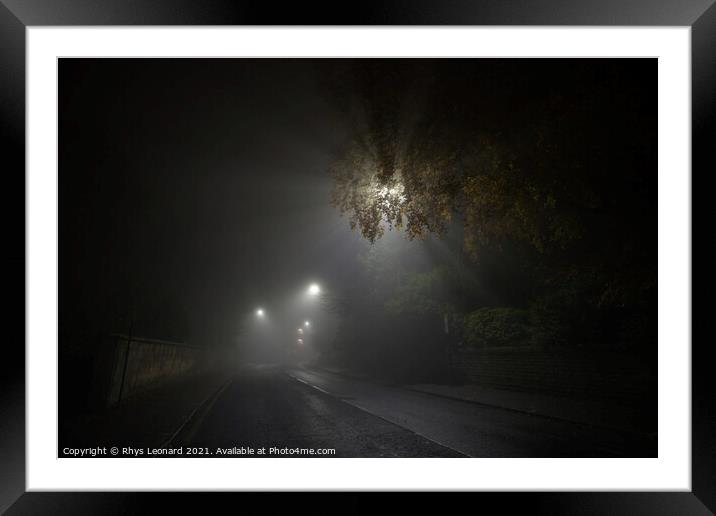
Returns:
<point x="358" y="257"/>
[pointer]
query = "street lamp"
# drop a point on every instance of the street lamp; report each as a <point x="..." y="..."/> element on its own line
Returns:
<point x="307" y="324"/>
<point x="314" y="290"/>
<point x="260" y="312"/>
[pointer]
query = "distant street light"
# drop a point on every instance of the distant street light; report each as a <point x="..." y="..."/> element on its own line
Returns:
<point x="314" y="289"/>
<point x="260" y="312"/>
<point x="307" y="324"/>
<point x="300" y="341"/>
<point x="300" y="331"/>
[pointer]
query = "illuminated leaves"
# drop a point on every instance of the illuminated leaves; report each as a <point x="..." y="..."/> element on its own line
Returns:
<point x="431" y="183"/>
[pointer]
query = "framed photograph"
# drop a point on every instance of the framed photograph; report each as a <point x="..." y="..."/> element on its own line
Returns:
<point x="444" y="248"/>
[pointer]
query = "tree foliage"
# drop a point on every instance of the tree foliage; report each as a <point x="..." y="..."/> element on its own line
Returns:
<point x="555" y="155"/>
<point x="431" y="144"/>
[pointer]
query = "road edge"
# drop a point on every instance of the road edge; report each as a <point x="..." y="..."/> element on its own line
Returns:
<point x="196" y="415"/>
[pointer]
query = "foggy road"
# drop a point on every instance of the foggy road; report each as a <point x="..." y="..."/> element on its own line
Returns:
<point x="488" y="221"/>
<point x="298" y="409"/>
<point x="263" y="407"/>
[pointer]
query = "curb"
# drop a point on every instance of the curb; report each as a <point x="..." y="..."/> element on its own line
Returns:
<point x="197" y="413"/>
<point x="632" y="433"/>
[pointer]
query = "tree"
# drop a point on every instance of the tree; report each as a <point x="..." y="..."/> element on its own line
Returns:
<point x="419" y="172"/>
<point x="555" y="155"/>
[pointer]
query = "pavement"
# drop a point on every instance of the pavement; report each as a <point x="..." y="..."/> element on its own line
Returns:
<point x="264" y="408"/>
<point x="267" y="407"/>
<point x="589" y="412"/>
<point x="311" y="412"/>
<point x="478" y="429"/>
<point x="615" y="416"/>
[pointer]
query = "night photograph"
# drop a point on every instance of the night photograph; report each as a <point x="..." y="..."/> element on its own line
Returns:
<point x="357" y="257"/>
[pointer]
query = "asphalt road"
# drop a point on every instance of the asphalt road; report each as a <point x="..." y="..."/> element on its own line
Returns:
<point x="287" y="412"/>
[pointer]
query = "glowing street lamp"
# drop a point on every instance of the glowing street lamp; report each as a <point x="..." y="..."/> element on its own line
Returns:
<point x="300" y="331"/>
<point x="300" y="341"/>
<point x="307" y="324"/>
<point x="260" y="312"/>
<point x="314" y="290"/>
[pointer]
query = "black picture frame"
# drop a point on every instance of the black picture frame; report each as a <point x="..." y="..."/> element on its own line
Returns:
<point x="17" y="15"/>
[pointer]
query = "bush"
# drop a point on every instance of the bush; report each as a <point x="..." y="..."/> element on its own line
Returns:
<point x="548" y="325"/>
<point x="490" y="327"/>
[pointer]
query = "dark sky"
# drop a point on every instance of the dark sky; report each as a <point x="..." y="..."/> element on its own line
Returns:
<point x="194" y="190"/>
<point x="199" y="183"/>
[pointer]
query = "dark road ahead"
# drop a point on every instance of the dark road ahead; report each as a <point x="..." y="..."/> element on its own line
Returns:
<point x="264" y="407"/>
<point x="271" y="408"/>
